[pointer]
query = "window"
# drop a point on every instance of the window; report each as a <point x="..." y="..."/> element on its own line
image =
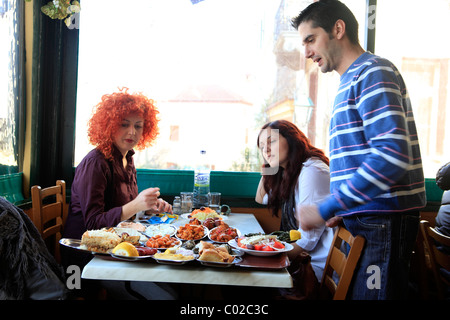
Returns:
<point x="174" y="133"/>
<point x="9" y="85"/>
<point x="209" y="65"/>
<point x="424" y="66"/>
<point x="219" y="69"/>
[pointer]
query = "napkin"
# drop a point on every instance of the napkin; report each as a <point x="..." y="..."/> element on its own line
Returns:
<point x="162" y="218"/>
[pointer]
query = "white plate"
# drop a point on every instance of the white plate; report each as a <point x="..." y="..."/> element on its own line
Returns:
<point x="131" y="224"/>
<point x="209" y="235"/>
<point x="125" y="258"/>
<point x="171" y="261"/>
<point x="176" y="262"/>
<point x="160" y="229"/>
<point x="287" y="247"/>
<point x="175" y="246"/>
<point x="187" y="216"/>
<point x="205" y="232"/>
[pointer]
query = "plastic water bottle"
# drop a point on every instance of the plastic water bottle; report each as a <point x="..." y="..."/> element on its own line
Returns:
<point x="201" y="182"/>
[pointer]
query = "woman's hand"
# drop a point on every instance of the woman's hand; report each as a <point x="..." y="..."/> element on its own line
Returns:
<point x="163" y="206"/>
<point x="146" y="200"/>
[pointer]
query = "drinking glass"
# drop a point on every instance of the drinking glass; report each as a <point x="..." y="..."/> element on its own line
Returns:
<point x="214" y="201"/>
<point x="186" y="202"/>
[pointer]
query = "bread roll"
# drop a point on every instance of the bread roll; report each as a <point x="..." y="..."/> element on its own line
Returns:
<point x="205" y="245"/>
<point x="211" y="255"/>
<point x="215" y="254"/>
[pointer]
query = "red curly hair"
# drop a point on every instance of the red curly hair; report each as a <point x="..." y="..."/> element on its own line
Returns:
<point x="108" y="115"/>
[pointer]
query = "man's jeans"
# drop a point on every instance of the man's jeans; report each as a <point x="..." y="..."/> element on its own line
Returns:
<point x="383" y="269"/>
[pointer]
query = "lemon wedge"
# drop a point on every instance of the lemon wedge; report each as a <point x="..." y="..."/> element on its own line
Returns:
<point x="125" y="249"/>
<point x="294" y="235"/>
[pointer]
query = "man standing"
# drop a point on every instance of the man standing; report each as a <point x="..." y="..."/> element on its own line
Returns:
<point x="377" y="184"/>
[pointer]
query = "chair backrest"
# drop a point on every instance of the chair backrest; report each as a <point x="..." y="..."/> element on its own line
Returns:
<point x="50" y="213"/>
<point x="341" y="263"/>
<point x="439" y="259"/>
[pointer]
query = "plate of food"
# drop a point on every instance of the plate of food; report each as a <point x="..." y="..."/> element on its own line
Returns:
<point x="161" y="229"/>
<point x="130" y="235"/>
<point x="76" y="244"/>
<point x="128" y="252"/>
<point x="213" y="255"/>
<point x="174" y="256"/>
<point x="162" y="242"/>
<point x="223" y="233"/>
<point x="260" y="245"/>
<point x="101" y="241"/>
<point x="202" y="214"/>
<point x="130" y="224"/>
<point x="191" y="232"/>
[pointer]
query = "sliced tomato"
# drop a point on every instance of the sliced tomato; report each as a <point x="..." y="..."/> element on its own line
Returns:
<point x="267" y="248"/>
<point x="259" y="247"/>
<point x="278" y="245"/>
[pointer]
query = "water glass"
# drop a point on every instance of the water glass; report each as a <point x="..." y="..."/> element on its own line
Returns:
<point x="186" y="201"/>
<point x="214" y="201"/>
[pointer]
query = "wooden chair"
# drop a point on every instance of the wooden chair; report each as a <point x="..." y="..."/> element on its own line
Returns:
<point x="50" y="213"/>
<point x="344" y="265"/>
<point x="438" y="259"/>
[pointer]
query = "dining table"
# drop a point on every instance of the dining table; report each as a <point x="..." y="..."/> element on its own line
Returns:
<point x="253" y="271"/>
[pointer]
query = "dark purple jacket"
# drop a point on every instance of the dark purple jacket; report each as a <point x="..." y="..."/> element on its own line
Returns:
<point x="100" y="188"/>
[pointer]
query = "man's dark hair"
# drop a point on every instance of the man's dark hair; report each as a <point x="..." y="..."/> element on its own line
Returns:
<point x="325" y="13"/>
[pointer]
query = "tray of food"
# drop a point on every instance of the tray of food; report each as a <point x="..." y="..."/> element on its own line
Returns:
<point x="176" y="256"/>
<point x="161" y="229"/>
<point x="109" y="242"/>
<point x="223" y="233"/>
<point x="214" y="255"/>
<point x="260" y="245"/>
<point x="128" y="252"/>
<point x="191" y="232"/>
<point x="203" y="213"/>
<point x="163" y="242"/>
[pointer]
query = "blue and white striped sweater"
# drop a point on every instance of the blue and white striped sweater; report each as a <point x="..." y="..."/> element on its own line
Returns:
<point x="375" y="162"/>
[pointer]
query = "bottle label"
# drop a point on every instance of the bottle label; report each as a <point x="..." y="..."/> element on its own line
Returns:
<point x="202" y="179"/>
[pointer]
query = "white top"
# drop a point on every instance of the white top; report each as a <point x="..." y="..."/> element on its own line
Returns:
<point x="313" y="186"/>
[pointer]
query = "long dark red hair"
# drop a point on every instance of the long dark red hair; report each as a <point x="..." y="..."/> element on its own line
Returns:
<point x="282" y="184"/>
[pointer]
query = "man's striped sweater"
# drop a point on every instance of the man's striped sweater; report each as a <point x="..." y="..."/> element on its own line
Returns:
<point x="375" y="162"/>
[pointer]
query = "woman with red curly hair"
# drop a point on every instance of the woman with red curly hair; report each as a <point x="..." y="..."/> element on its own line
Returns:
<point x="104" y="190"/>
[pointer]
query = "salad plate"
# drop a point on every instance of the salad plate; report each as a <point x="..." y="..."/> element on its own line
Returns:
<point x="287" y="247"/>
